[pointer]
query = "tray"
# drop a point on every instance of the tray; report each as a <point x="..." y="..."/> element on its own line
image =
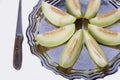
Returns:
<point x="84" y="67"/>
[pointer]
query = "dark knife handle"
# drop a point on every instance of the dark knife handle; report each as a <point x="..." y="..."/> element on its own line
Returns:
<point x="17" y="56"/>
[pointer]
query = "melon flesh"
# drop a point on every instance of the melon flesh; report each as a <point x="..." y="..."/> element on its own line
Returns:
<point x="106" y="19"/>
<point x="71" y="51"/>
<point x="57" y="16"/>
<point x="92" y="9"/>
<point x="104" y="36"/>
<point x="55" y="37"/>
<point x="94" y="50"/>
<point x="74" y="8"/>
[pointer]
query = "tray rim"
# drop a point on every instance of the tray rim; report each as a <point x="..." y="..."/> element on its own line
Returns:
<point x="43" y="59"/>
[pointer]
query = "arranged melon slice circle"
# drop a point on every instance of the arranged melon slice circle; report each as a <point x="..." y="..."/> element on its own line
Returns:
<point x="65" y="21"/>
<point x="55" y="37"/>
<point x="57" y="16"/>
<point x="104" y="36"/>
<point x="71" y="51"/>
<point x="74" y="8"/>
<point x="106" y="19"/>
<point x="94" y="50"/>
<point x="92" y="9"/>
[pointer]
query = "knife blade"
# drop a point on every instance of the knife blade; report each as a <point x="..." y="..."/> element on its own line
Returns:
<point x="17" y="55"/>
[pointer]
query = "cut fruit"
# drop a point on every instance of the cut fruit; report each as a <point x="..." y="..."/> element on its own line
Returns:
<point x="71" y="51"/>
<point x="104" y="36"/>
<point x="92" y="9"/>
<point x="57" y="16"/>
<point x="55" y="37"/>
<point x="106" y="19"/>
<point x="74" y="8"/>
<point x="95" y="52"/>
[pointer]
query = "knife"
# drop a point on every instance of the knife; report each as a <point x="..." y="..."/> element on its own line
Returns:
<point x="17" y="55"/>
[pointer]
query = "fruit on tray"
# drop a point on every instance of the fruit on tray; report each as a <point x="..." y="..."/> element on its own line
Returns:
<point x="74" y="8"/>
<point x="71" y="51"/>
<point x="104" y="36"/>
<point x="55" y="37"/>
<point x="92" y="9"/>
<point x="65" y="21"/>
<point x="57" y="16"/>
<point x="94" y="50"/>
<point x="106" y="19"/>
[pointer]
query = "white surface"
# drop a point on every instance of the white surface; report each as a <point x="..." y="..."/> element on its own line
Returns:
<point x="31" y="66"/>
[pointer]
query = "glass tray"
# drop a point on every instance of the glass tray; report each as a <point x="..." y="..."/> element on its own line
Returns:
<point x="84" y="67"/>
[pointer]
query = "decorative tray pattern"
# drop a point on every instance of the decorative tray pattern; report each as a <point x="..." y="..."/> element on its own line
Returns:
<point x="84" y="67"/>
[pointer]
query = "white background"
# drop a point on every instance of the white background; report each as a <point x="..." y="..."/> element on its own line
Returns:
<point x="31" y="66"/>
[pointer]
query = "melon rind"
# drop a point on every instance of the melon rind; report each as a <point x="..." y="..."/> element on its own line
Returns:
<point x="55" y="37"/>
<point x="92" y="9"/>
<point x="58" y="19"/>
<point x="71" y="51"/>
<point x="106" y="37"/>
<point x="94" y="50"/>
<point x="74" y="8"/>
<point x="106" y="21"/>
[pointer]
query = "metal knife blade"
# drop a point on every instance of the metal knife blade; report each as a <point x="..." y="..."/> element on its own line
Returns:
<point x="17" y="55"/>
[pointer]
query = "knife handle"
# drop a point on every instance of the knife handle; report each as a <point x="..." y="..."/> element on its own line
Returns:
<point x="17" y="56"/>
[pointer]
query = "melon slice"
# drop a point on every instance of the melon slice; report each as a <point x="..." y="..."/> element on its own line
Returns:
<point x="55" y="37"/>
<point x="92" y="8"/>
<point x="104" y="36"/>
<point x="57" y="16"/>
<point x="106" y="19"/>
<point x="71" y="51"/>
<point x="74" y="8"/>
<point x="94" y="50"/>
